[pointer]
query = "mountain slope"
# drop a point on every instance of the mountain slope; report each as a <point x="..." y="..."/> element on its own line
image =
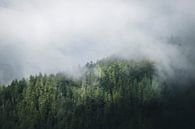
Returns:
<point x="110" y="94"/>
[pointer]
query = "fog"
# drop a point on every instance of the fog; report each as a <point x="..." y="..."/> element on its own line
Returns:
<point x="50" y="36"/>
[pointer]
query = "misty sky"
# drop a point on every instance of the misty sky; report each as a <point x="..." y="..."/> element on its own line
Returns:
<point x="49" y="36"/>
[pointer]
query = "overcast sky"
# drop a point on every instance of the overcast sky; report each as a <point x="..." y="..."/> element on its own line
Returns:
<point x="58" y="35"/>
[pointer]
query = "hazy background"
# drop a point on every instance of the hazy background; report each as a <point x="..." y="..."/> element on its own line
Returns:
<point x="49" y="36"/>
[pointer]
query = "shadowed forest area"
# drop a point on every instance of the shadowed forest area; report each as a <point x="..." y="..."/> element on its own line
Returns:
<point x="109" y="94"/>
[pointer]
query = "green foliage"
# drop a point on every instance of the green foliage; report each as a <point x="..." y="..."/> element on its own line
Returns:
<point x="111" y="94"/>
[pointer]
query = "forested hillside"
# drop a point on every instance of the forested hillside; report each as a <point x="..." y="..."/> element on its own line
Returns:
<point x="109" y="94"/>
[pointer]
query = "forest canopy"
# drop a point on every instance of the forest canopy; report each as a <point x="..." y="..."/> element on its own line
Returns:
<point x="112" y="93"/>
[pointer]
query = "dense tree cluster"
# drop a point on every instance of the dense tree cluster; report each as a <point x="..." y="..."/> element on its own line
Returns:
<point x="110" y="94"/>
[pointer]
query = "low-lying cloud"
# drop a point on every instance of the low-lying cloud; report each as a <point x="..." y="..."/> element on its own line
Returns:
<point x="56" y="35"/>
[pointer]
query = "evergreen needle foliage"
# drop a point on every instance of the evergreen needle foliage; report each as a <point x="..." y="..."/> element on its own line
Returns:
<point x="110" y="94"/>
